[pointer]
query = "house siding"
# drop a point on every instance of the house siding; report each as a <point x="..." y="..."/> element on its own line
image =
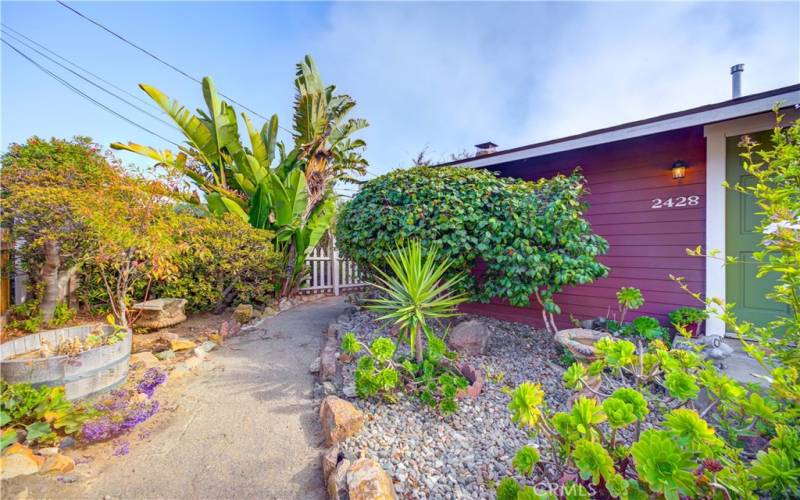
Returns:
<point x="646" y="245"/>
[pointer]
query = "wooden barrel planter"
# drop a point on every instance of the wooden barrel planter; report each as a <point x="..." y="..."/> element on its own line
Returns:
<point x="90" y="372"/>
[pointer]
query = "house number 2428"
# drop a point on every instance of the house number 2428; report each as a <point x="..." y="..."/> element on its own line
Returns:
<point x="678" y="201"/>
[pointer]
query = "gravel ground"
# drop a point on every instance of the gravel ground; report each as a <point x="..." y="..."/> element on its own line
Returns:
<point x="462" y="455"/>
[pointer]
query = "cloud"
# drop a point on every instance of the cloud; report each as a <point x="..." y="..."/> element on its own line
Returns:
<point x="449" y="75"/>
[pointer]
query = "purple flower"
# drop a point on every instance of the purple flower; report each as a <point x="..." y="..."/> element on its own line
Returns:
<point x="123" y="448"/>
<point x="151" y="379"/>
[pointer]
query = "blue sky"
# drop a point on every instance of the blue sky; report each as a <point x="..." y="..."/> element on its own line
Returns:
<point x="441" y="75"/>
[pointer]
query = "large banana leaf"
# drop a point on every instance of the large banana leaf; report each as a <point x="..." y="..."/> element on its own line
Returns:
<point x="310" y="104"/>
<point x="289" y="197"/>
<point x="198" y="134"/>
<point x="260" y="207"/>
<point x="318" y="223"/>
<point x="234" y="208"/>
<point x="269" y="134"/>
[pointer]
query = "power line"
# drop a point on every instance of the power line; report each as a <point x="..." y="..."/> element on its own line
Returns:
<point x="90" y="82"/>
<point x="131" y="94"/>
<point x="86" y="96"/>
<point x="162" y="61"/>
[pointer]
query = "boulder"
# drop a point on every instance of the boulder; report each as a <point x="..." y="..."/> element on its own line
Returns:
<point x="182" y="344"/>
<point x="160" y="313"/>
<point x="229" y="328"/>
<point x="17" y="464"/>
<point x="327" y="359"/>
<point x="315" y="366"/>
<point x="330" y="459"/>
<point x="366" y="480"/>
<point x="165" y="355"/>
<point x="146" y="359"/>
<point x="58" y="463"/>
<point x="243" y="313"/>
<point x="340" y="419"/>
<point x="469" y="338"/>
<point x="337" y="481"/>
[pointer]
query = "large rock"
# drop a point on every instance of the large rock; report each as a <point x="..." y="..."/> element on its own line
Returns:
<point x="182" y="344"/>
<point x="243" y="313"/>
<point x="366" y="480"/>
<point x="160" y="313"/>
<point x="19" y="460"/>
<point x="340" y="420"/>
<point x="327" y="359"/>
<point x="146" y="359"/>
<point x="330" y="459"/>
<point x="58" y="463"/>
<point x="337" y="481"/>
<point x="469" y="338"/>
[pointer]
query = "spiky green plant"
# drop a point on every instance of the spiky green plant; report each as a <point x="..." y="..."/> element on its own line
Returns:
<point x="415" y="292"/>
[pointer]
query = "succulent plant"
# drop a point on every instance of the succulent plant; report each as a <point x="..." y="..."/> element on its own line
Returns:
<point x="593" y="461"/>
<point x="681" y="385"/>
<point x="525" y="459"/>
<point x="663" y="465"/>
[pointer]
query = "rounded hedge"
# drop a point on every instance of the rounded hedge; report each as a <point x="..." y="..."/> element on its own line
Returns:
<point x="527" y="238"/>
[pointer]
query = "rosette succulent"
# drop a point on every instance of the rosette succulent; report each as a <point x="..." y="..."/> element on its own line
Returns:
<point x="662" y="465"/>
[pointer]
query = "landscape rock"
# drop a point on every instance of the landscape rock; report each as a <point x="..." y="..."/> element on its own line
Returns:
<point x="17" y="464"/>
<point x="337" y="481"/>
<point x="349" y="390"/>
<point x="146" y="359"/>
<point x="269" y="312"/>
<point x="340" y="419"/>
<point x="243" y="313"/>
<point x="165" y="355"/>
<point x="328" y="388"/>
<point x="475" y="378"/>
<point x="229" y="328"/>
<point x="330" y="459"/>
<point x="160" y="313"/>
<point x="149" y="342"/>
<point x="46" y="452"/>
<point x="333" y="330"/>
<point x="315" y="365"/>
<point x="469" y="338"/>
<point x="58" y="463"/>
<point x="67" y="442"/>
<point x="366" y="480"/>
<point x="204" y="348"/>
<point x="328" y="360"/>
<point x="181" y="344"/>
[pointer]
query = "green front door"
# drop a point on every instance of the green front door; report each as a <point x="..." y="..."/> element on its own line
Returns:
<point x="741" y="240"/>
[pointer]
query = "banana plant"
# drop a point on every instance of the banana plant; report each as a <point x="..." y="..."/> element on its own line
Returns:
<point x="294" y="198"/>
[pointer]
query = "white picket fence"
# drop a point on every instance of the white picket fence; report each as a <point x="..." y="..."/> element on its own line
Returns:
<point x="329" y="273"/>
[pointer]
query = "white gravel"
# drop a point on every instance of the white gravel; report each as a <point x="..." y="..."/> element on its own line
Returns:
<point x="466" y="454"/>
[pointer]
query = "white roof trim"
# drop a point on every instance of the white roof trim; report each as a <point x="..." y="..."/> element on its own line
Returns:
<point x="700" y="118"/>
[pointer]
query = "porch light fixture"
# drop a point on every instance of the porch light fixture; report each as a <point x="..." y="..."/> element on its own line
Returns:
<point x="679" y="170"/>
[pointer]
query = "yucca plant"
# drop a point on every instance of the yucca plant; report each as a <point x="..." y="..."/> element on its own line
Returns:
<point x="416" y="292"/>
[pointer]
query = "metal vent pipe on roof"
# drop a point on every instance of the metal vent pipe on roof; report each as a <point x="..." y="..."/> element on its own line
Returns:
<point x="736" y="79"/>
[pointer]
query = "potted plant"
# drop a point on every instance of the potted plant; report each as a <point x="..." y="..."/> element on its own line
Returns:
<point x="688" y="319"/>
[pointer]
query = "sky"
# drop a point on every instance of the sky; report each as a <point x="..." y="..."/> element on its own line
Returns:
<point x="441" y="76"/>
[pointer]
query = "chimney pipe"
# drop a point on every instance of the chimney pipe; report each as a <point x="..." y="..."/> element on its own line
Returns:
<point x="736" y="79"/>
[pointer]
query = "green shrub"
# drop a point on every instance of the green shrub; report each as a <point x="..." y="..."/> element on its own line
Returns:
<point x="42" y="412"/>
<point x="226" y="261"/>
<point x="685" y="316"/>
<point x="530" y="237"/>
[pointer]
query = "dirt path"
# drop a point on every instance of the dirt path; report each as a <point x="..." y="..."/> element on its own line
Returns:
<point x="246" y="427"/>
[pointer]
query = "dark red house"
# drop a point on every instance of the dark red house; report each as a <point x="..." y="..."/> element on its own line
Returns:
<point x="650" y="214"/>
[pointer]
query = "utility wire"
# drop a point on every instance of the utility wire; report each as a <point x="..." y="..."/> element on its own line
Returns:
<point x="90" y="82"/>
<point x="162" y="61"/>
<point x="86" y="96"/>
<point x="131" y="94"/>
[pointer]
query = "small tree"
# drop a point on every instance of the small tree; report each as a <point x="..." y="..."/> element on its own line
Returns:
<point x="135" y="227"/>
<point x="43" y="184"/>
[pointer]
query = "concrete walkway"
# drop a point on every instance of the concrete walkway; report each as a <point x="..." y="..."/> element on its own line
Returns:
<point x="246" y="427"/>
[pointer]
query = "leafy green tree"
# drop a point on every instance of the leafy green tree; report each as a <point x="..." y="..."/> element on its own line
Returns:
<point x="294" y="198"/>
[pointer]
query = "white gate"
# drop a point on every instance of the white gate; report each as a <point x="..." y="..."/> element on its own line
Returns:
<point x="329" y="273"/>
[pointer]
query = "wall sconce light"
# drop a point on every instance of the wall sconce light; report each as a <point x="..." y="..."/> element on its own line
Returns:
<point x="679" y="169"/>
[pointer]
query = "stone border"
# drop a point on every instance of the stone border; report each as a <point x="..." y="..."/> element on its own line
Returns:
<point x="344" y="477"/>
